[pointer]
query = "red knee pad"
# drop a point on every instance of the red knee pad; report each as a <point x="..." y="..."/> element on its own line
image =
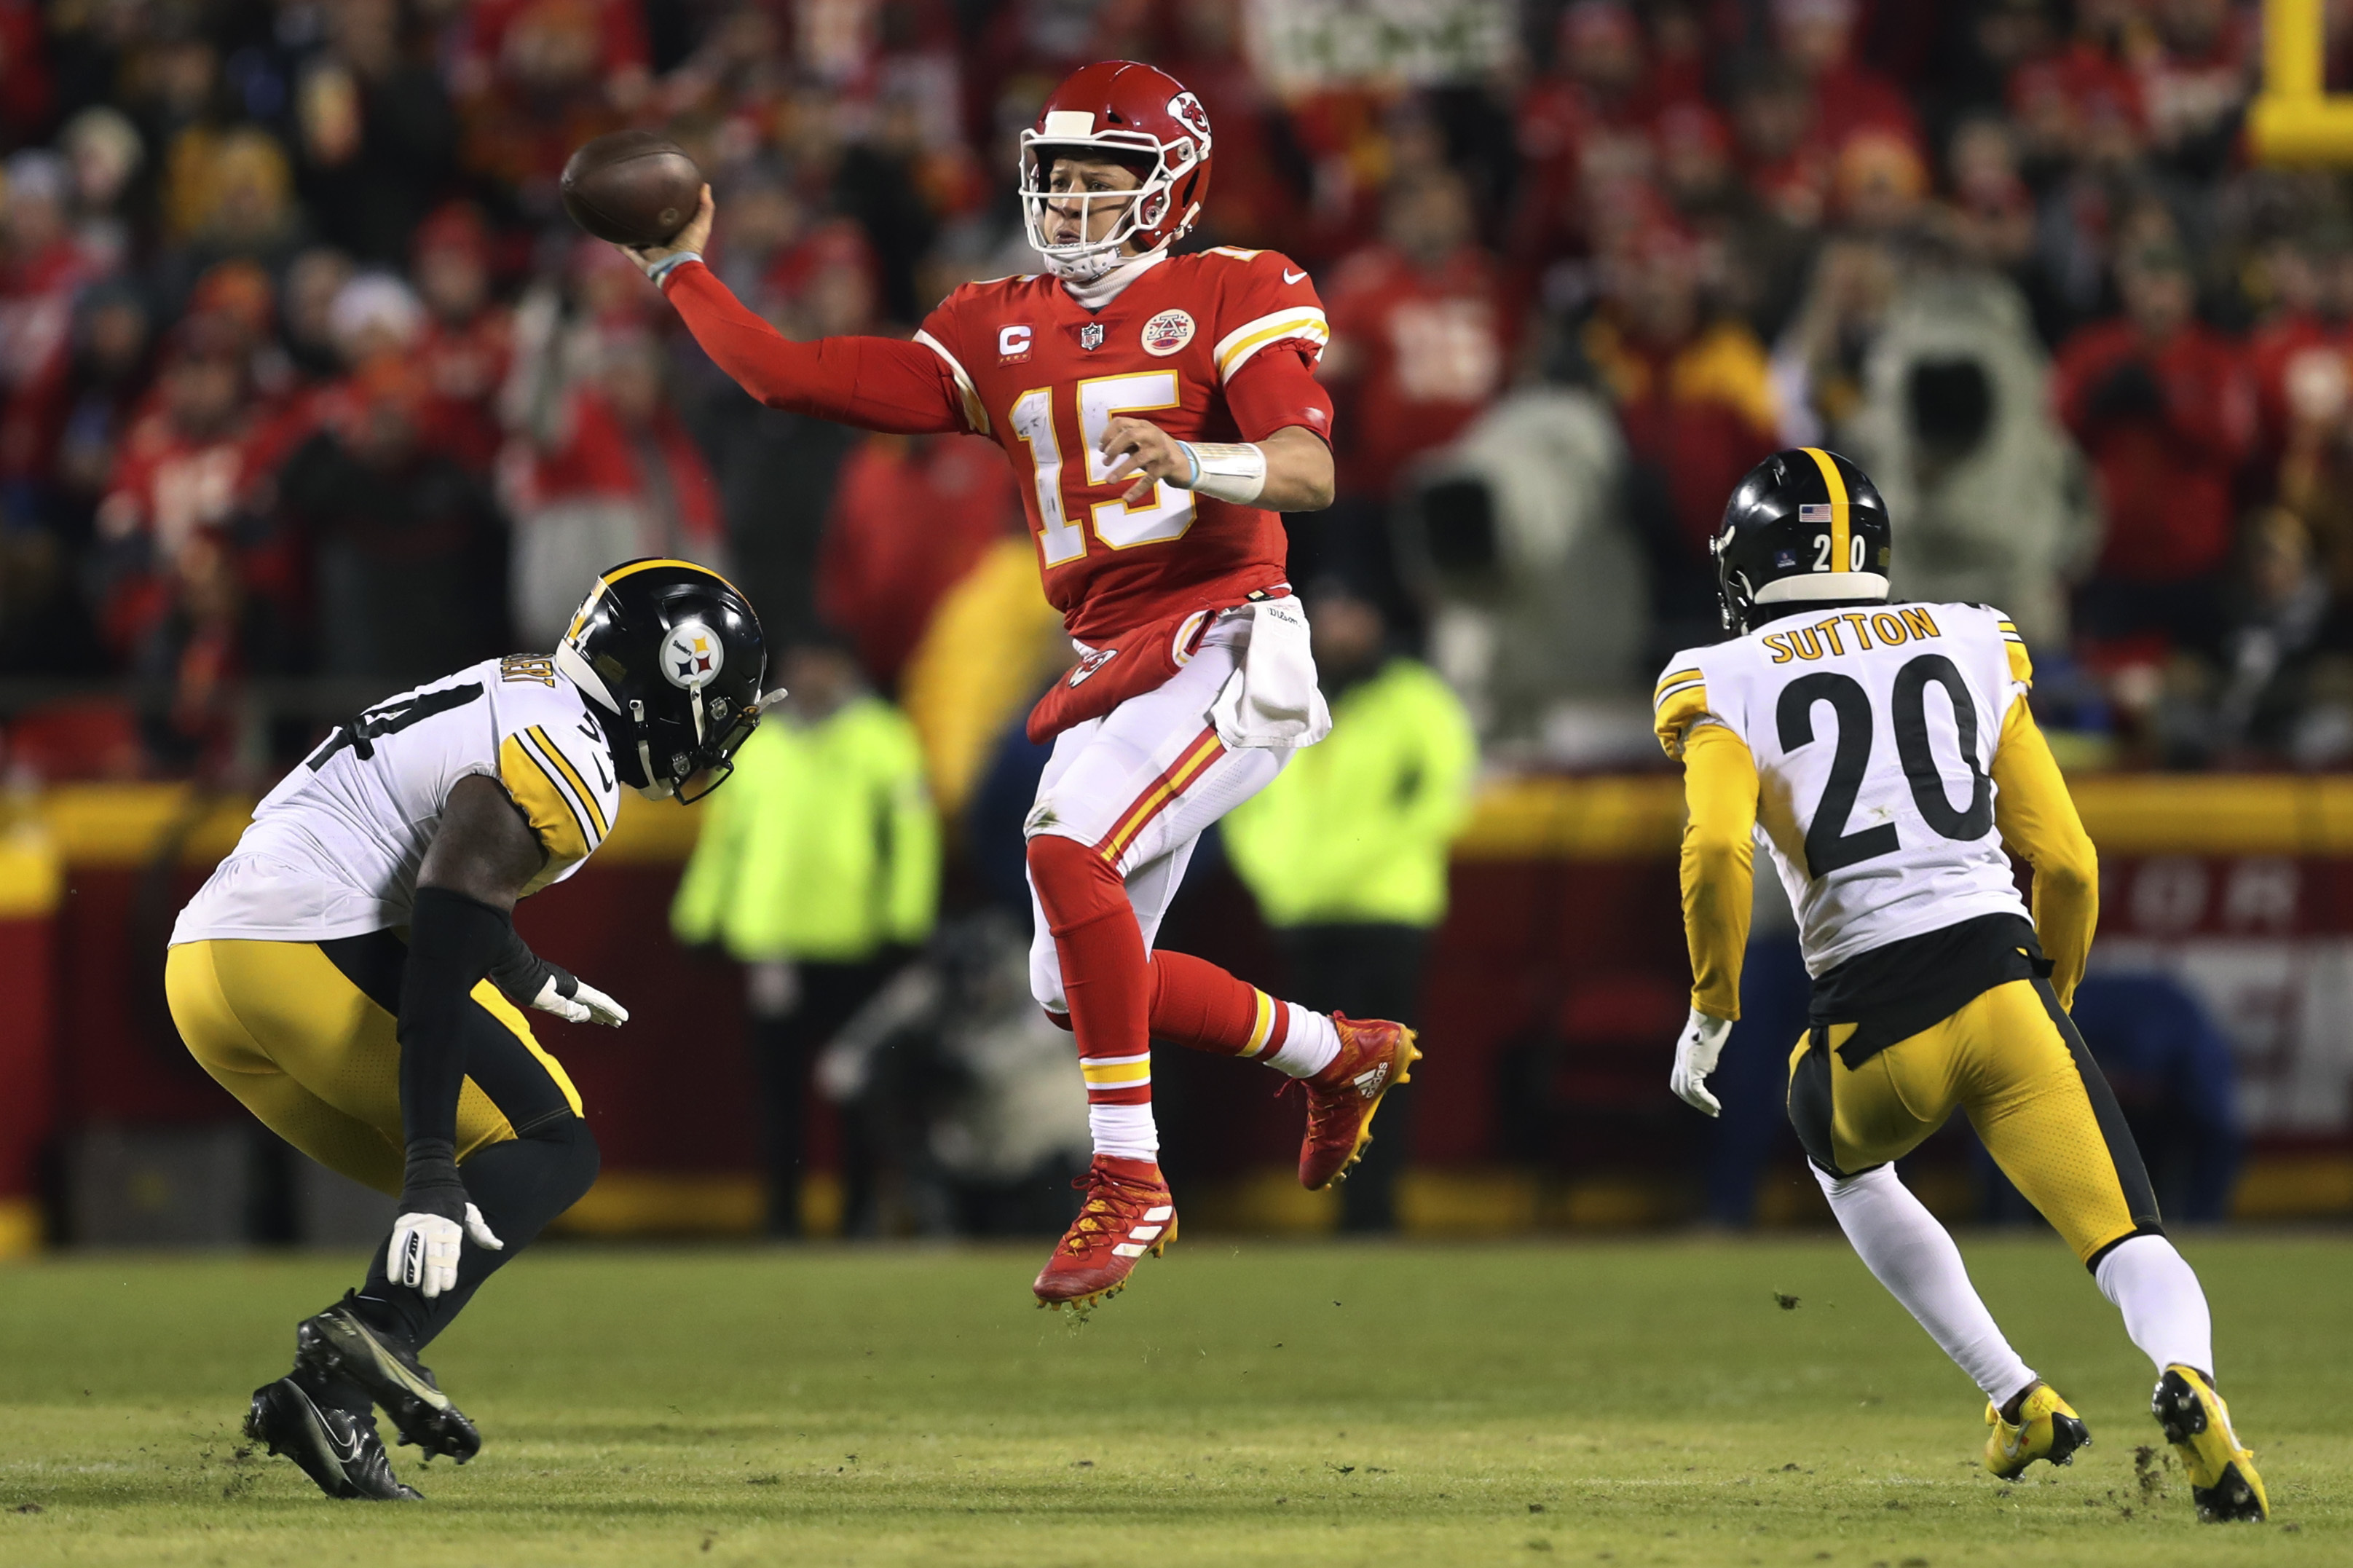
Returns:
<point x="1075" y="885"/>
<point x="1105" y="980"/>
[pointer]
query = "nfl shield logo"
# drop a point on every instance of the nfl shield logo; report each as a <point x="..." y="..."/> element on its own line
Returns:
<point x="1090" y="336"/>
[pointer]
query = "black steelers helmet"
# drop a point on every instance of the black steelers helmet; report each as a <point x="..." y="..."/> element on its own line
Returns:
<point x="672" y="656"/>
<point x="1802" y="525"/>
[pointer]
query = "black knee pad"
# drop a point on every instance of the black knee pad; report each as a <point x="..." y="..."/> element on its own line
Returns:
<point x="576" y="1172"/>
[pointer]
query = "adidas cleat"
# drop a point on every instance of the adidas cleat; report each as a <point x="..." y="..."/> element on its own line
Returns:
<point x="1374" y="1056"/>
<point x="334" y="1447"/>
<point x="2047" y="1428"/>
<point x="1128" y="1213"/>
<point x="2223" y="1479"/>
<point x="338" y="1343"/>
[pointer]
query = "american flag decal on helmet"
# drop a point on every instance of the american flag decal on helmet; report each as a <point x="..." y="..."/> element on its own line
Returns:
<point x="1814" y="512"/>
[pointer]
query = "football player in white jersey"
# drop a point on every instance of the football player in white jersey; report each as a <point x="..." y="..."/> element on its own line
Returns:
<point x="1884" y="755"/>
<point x="352" y="972"/>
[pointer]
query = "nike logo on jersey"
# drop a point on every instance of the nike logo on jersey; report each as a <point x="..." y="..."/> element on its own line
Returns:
<point x="1291" y="276"/>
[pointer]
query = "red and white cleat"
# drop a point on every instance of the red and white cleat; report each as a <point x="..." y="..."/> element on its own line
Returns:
<point x="1127" y="1214"/>
<point x="1376" y="1055"/>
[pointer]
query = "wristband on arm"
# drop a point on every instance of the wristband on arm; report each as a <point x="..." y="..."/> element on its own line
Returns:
<point x="660" y="270"/>
<point x="1227" y="470"/>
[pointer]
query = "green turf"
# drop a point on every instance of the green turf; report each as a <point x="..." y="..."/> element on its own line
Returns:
<point x="1251" y="1402"/>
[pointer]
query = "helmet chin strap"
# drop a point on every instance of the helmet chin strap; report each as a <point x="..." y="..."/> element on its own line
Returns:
<point x="655" y="786"/>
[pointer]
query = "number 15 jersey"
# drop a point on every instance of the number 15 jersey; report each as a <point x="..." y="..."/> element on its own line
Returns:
<point x="1186" y="345"/>
<point x="334" y="850"/>
<point x="1873" y="731"/>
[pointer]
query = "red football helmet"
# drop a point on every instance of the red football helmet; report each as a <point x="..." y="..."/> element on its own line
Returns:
<point x="1122" y="110"/>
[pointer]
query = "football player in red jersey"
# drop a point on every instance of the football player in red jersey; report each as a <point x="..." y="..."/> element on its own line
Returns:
<point x="1159" y="410"/>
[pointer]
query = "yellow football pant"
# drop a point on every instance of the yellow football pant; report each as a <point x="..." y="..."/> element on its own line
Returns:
<point x="2014" y="1062"/>
<point x="283" y="1028"/>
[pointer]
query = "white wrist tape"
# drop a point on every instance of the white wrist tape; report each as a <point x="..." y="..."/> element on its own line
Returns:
<point x="669" y="264"/>
<point x="1232" y="471"/>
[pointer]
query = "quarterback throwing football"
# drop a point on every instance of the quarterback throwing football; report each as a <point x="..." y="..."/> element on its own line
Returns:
<point x="1160" y="411"/>
<point x="1884" y="755"/>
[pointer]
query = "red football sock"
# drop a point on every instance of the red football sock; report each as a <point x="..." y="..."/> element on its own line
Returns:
<point x="1106" y="980"/>
<point x="1196" y="1004"/>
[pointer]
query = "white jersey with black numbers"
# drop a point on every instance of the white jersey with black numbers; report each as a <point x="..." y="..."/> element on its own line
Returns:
<point x="1873" y="733"/>
<point x="334" y="849"/>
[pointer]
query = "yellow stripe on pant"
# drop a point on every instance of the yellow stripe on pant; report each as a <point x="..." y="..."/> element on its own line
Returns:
<point x="281" y="1028"/>
<point x="2011" y="1059"/>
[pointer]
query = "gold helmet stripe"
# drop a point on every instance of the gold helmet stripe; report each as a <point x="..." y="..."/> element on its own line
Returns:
<point x="1841" y="524"/>
<point x="631" y="570"/>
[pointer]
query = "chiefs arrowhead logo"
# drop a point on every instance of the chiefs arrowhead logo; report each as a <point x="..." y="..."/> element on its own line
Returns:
<point x="1187" y="110"/>
<point x="1090" y="663"/>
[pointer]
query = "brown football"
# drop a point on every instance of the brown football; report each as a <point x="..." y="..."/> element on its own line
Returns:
<point x="632" y="187"/>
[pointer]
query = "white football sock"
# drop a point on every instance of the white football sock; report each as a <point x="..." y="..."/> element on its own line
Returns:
<point x="1309" y="1044"/>
<point x="2164" y="1306"/>
<point x="1915" y="1257"/>
<point x="1127" y="1131"/>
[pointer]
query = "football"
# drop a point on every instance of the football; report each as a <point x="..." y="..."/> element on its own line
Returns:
<point x="632" y="187"/>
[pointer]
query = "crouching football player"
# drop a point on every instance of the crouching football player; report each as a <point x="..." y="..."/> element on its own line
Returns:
<point x="352" y="973"/>
<point x="1888" y="754"/>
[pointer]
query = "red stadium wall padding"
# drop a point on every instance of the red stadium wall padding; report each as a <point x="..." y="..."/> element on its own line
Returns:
<point x="29" y="901"/>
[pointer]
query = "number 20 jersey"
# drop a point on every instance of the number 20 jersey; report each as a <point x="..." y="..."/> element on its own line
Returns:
<point x="1043" y="377"/>
<point x="1873" y="731"/>
<point x="334" y="849"/>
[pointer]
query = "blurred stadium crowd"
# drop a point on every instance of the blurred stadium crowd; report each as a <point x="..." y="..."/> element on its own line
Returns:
<point x="309" y="391"/>
<point x="302" y="374"/>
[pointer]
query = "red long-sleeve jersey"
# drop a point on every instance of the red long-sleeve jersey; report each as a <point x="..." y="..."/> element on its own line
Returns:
<point x="1213" y="347"/>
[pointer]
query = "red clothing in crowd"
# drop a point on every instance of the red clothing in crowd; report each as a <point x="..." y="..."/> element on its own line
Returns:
<point x="2164" y="473"/>
<point x="2280" y="353"/>
<point x="36" y="306"/>
<point x="603" y="456"/>
<point x="463" y="368"/>
<point x="1424" y="352"/>
<point x="620" y="27"/>
<point x="2077" y="87"/>
<point x="1851" y="98"/>
<point x="167" y="485"/>
<point x="910" y="515"/>
<point x="172" y="488"/>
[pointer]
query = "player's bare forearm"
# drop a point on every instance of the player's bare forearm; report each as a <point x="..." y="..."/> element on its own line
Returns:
<point x="1298" y="475"/>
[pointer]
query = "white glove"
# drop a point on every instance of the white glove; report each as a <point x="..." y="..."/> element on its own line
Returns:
<point x="1695" y="1052"/>
<point x="583" y="1003"/>
<point x="424" y="1250"/>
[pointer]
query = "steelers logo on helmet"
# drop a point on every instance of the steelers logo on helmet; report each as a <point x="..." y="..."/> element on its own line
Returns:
<point x="691" y="656"/>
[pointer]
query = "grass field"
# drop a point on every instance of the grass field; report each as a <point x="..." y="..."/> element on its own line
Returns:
<point x="1247" y="1402"/>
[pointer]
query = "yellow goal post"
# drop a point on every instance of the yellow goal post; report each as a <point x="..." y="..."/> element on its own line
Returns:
<point x="2294" y="121"/>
